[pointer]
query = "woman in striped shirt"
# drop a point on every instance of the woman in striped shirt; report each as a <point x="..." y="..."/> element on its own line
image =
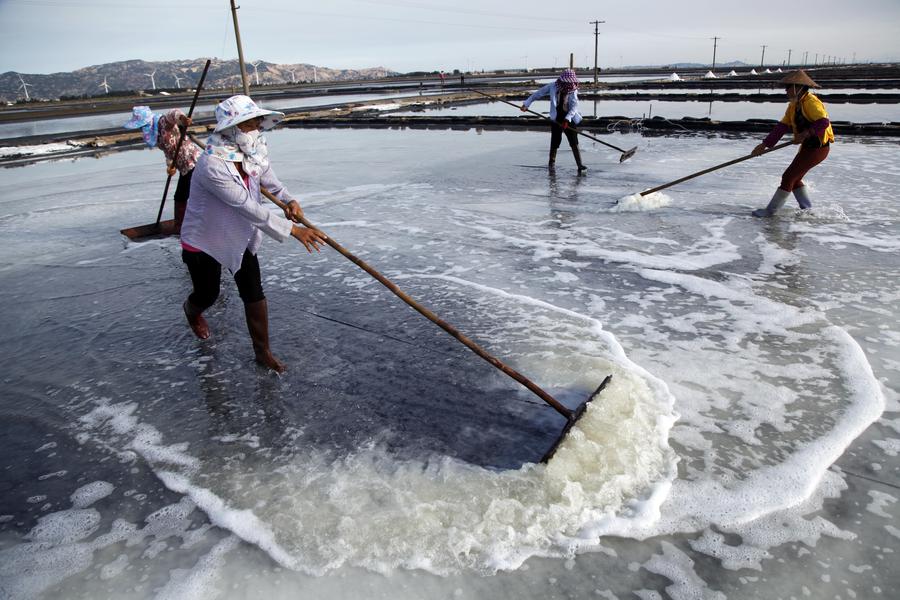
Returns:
<point x="227" y="216"/>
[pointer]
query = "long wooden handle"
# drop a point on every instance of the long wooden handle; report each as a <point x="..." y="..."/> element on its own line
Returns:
<point x="578" y="131"/>
<point x="453" y="331"/>
<point x="715" y="168"/>
<point x="181" y="137"/>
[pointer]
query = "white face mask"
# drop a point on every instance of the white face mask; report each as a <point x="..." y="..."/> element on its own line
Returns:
<point x="247" y="140"/>
<point x="256" y="152"/>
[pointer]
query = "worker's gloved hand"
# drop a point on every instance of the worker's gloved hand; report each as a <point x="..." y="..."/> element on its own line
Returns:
<point x="759" y="149"/>
<point x="565" y="124"/>
<point x="523" y="108"/>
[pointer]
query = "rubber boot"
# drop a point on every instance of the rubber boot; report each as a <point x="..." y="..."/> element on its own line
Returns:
<point x="552" y="161"/>
<point x="577" y="154"/>
<point x="195" y="319"/>
<point x="775" y="203"/>
<point x="802" y="197"/>
<point x="257" y="314"/>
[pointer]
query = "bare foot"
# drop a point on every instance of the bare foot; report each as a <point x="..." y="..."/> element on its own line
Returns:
<point x="198" y="324"/>
<point x="267" y="360"/>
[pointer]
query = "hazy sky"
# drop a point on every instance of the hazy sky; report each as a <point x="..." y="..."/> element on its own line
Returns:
<point x="47" y="36"/>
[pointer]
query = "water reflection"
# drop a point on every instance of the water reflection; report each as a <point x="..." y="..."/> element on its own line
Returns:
<point x="563" y="196"/>
<point x="700" y="108"/>
<point x="790" y="281"/>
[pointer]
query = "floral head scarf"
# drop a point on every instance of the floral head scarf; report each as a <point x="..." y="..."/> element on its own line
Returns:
<point x="248" y="148"/>
<point x="147" y="121"/>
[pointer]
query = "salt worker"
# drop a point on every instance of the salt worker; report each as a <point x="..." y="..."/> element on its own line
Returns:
<point x="227" y="216"/>
<point x="163" y="131"/>
<point x="564" y="113"/>
<point x="807" y="118"/>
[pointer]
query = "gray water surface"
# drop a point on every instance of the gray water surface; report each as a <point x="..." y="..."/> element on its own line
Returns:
<point x="391" y="462"/>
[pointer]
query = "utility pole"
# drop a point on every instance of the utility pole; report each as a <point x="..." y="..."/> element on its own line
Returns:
<point x="806" y="57"/>
<point x="237" y="38"/>
<point x="596" y="37"/>
<point x="715" y="43"/>
<point x="762" y="59"/>
<point x="789" y="58"/>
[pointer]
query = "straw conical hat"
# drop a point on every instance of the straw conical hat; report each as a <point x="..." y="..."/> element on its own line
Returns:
<point x="799" y="78"/>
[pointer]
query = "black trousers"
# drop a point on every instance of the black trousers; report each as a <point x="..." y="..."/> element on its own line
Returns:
<point x="206" y="275"/>
<point x="183" y="187"/>
<point x="556" y="133"/>
<point x="182" y="191"/>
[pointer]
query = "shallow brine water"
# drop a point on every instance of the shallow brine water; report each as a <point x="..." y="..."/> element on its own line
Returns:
<point x="11" y="131"/>
<point x="725" y="459"/>
<point x="633" y="109"/>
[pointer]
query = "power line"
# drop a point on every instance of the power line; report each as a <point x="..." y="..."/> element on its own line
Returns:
<point x="456" y="10"/>
<point x="416" y="21"/>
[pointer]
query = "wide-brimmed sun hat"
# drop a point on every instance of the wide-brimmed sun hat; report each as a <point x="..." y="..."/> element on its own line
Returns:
<point x="141" y="116"/>
<point x="798" y="78"/>
<point x="240" y="108"/>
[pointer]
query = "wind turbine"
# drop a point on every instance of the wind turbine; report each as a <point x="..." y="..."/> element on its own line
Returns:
<point x="104" y="85"/>
<point x="152" y="78"/>
<point x="24" y="87"/>
<point x="178" y="81"/>
<point x="256" y="70"/>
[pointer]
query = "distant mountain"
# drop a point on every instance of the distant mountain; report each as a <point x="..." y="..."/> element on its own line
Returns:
<point x="682" y="65"/>
<point x="134" y="75"/>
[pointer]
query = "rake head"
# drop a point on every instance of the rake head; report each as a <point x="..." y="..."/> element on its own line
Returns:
<point x="627" y="154"/>
<point x="573" y="419"/>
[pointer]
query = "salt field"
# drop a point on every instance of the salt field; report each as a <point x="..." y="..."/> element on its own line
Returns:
<point x="10" y="131"/>
<point x="633" y="109"/>
<point x="747" y="446"/>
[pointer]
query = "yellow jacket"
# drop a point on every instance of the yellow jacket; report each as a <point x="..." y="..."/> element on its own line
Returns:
<point x="812" y="110"/>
